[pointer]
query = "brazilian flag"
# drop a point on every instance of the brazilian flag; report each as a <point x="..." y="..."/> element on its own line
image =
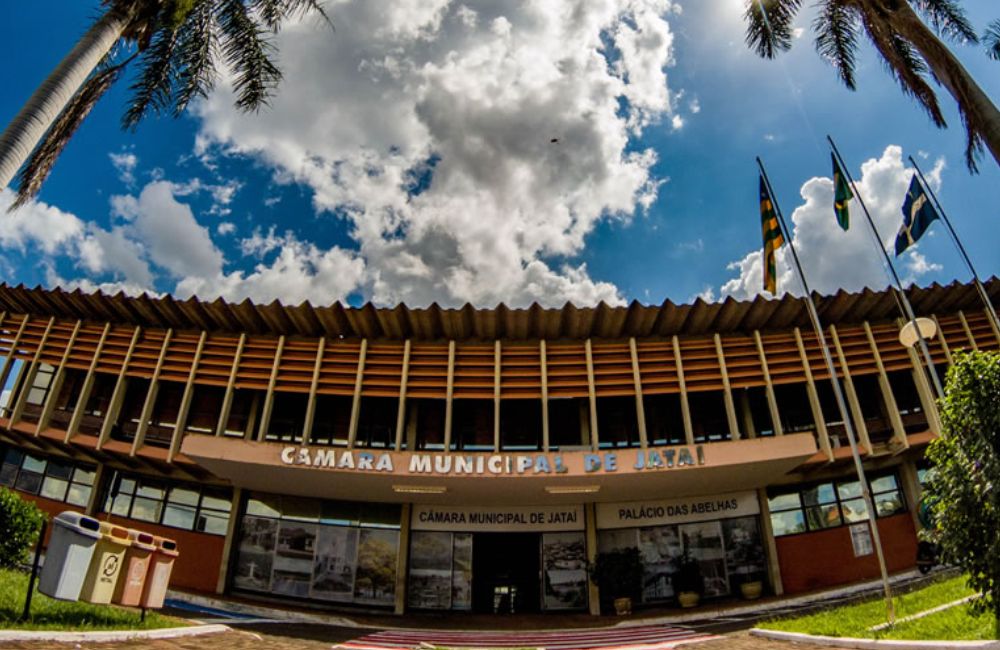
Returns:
<point x="773" y="239"/>
<point x="841" y="195"/>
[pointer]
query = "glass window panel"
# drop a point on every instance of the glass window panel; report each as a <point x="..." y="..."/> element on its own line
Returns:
<point x="79" y="495"/>
<point x="184" y="496"/>
<point x="788" y="523"/>
<point x="83" y="476"/>
<point x="54" y="488"/>
<point x="381" y="515"/>
<point x="889" y="503"/>
<point x="29" y="482"/>
<point x="60" y="470"/>
<point x="785" y="502"/>
<point x="36" y="396"/>
<point x="8" y="473"/>
<point x="150" y="491"/>
<point x="120" y="505"/>
<point x="299" y="509"/>
<point x="849" y="489"/>
<point x="884" y="483"/>
<point x="127" y="486"/>
<point x="818" y="494"/>
<point x="824" y="516"/>
<point x="264" y="505"/>
<point x="32" y="464"/>
<point x="146" y="509"/>
<point x="341" y="513"/>
<point x="13" y="457"/>
<point x="179" y="516"/>
<point x="854" y="510"/>
<point x="217" y="501"/>
<point x="213" y="523"/>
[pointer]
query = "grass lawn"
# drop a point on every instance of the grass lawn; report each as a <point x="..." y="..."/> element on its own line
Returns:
<point x="955" y="624"/>
<point x="50" y="614"/>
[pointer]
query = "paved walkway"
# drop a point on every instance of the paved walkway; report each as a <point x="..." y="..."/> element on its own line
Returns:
<point x="646" y="637"/>
<point x="241" y="640"/>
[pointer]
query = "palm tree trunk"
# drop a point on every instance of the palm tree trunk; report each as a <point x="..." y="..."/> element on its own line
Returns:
<point x="980" y="112"/>
<point x="29" y="126"/>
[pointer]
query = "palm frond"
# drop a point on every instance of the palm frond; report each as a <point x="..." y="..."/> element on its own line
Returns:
<point x="197" y="51"/>
<point x="948" y="19"/>
<point x="992" y="40"/>
<point x="274" y="12"/>
<point x="39" y="166"/>
<point x="153" y="87"/>
<point x="248" y="53"/>
<point x="836" y="29"/>
<point x="902" y="62"/>
<point x="770" y="25"/>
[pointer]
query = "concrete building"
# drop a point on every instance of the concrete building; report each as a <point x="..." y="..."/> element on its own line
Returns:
<point x="477" y="459"/>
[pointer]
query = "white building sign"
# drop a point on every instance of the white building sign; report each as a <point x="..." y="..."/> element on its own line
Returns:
<point x="489" y="519"/>
<point x="676" y="511"/>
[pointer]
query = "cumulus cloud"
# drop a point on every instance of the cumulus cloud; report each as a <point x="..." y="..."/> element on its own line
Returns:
<point x="834" y="259"/>
<point x="125" y="163"/>
<point x="471" y="146"/>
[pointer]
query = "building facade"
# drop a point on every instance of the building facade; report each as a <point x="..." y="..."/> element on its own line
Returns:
<point x="478" y="460"/>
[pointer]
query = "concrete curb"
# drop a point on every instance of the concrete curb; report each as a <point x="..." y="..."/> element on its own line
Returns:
<point x="110" y="636"/>
<point x="870" y="644"/>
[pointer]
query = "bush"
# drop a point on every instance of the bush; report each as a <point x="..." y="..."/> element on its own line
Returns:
<point x="618" y="574"/>
<point x="20" y="522"/>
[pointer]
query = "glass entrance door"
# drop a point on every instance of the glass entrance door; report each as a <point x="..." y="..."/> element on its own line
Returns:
<point x="506" y="573"/>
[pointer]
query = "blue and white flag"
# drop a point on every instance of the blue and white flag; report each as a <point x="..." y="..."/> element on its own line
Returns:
<point x="918" y="213"/>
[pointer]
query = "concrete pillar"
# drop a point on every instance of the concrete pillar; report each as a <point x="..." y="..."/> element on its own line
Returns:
<point x="402" y="557"/>
<point x="228" y="547"/>
<point x="593" y="594"/>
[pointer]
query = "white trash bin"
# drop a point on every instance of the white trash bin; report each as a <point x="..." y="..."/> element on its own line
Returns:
<point x="68" y="556"/>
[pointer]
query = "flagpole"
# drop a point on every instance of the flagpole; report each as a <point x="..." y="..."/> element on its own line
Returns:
<point x="907" y="308"/>
<point x="839" y="397"/>
<point x="990" y="310"/>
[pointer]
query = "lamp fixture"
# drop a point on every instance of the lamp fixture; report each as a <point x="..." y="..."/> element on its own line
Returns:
<point x="572" y="489"/>
<point x="419" y="489"/>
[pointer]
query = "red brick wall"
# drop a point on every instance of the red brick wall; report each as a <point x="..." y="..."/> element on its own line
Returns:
<point x="826" y="558"/>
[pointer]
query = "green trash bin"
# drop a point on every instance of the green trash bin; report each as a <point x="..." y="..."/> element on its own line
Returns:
<point x="106" y="564"/>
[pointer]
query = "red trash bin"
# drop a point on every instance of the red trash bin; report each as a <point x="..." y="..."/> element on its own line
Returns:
<point x="128" y="591"/>
<point x="161" y="563"/>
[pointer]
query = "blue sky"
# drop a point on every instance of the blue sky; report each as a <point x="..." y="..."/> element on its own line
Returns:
<point x="409" y="158"/>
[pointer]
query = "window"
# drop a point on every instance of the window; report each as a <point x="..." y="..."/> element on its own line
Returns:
<point x="40" y="386"/>
<point x="190" y="507"/>
<point x="831" y="504"/>
<point x="52" y="479"/>
<point x="617" y="422"/>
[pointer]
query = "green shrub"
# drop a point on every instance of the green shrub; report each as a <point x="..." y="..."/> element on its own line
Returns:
<point x="20" y="522"/>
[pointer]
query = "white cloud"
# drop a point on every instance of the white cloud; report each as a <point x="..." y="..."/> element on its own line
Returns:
<point x="429" y="127"/>
<point x="38" y="224"/>
<point x="834" y="259"/>
<point x="125" y="163"/>
<point x="226" y="228"/>
<point x="172" y="236"/>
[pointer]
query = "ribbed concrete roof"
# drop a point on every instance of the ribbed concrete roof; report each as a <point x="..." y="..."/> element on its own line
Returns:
<point x="501" y="322"/>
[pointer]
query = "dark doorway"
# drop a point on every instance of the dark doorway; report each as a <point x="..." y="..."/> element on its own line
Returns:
<point x="505" y="570"/>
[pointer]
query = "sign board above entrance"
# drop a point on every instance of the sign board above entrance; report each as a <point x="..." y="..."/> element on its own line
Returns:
<point x="514" y="519"/>
<point x="676" y="511"/>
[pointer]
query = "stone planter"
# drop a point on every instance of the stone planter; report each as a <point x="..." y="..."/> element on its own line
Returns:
<point x="623" y="606"/>
<point x="688" y="599"/>
<point x="751" y="590"/>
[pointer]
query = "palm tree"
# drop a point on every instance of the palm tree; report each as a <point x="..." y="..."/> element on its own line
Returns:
<point x="907" y="47"/>
<point x="179" y="45"/>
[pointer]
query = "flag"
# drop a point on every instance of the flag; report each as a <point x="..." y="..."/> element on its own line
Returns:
<point x="773" y="238"/>
<point x="841" y="195"/>
<point x="918" y="213"/>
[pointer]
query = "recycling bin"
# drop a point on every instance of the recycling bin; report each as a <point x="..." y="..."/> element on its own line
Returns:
<point x="105" y="565"/>
<point x="161" y="564"/>
<point x="68" y="556"/>
<point x="128" y="591"/>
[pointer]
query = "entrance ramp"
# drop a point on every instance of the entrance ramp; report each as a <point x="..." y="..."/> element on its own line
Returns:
<point x="642" y="637"/>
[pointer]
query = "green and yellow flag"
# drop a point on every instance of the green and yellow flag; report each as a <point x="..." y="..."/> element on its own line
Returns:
<point x="773" y="239"/>
<point x="841" y="195"/>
